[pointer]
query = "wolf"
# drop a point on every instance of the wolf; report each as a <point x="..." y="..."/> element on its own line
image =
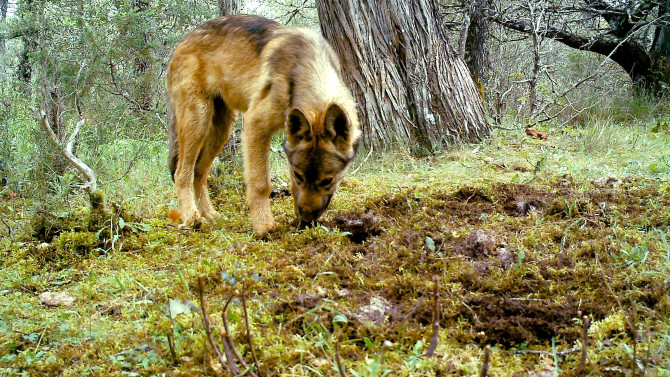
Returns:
<point x="282" y="78"/>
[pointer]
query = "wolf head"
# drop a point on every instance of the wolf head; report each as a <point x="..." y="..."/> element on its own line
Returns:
<point x="319" y="153"/>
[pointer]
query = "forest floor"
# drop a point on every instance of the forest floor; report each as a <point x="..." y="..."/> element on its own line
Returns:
<point x="523" y="245"/>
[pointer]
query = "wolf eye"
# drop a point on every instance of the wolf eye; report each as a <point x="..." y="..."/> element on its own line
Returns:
<point x="325" y="182"/>
<point x="298" y="176"/>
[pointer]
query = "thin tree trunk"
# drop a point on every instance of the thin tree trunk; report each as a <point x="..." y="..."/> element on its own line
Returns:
<point x="28" y="12"/>
<point x="143" y="63"/>
<point x="660" y="49"/>
<point x="3" y="15"/>
<point x="228" y="7"/>
<point x="476" y="51"/>
<point x="410" y="85"/>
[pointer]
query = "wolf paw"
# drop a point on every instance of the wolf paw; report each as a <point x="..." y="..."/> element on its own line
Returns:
<point x="211" y="215"/>
<point x="264" y="228"/>
<point x="192" y="221"/>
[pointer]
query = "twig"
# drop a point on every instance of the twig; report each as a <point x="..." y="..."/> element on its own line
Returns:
<point x="205" y="319"/>
<point x="436" y="319"/>
<point x="228" y="341"/>
<point x="487" y="357"/>
<point x="9" y="229"/>
<point x="130" y="165"/>
<point x="246" y="322"/>
<point x="536" y="352"/>
<point x="338" y="360"/>
<point x="172" y="350"/>
<point x="585" y="343"/>
<point x="278" y="151"/>
<point x="227" y="349"/>
<point x="364" y="161"/>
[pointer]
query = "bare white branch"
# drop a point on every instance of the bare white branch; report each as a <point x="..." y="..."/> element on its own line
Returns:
<point x="91" y="182"/>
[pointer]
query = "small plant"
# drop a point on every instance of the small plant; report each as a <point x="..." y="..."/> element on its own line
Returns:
<point x="633" y="256"/>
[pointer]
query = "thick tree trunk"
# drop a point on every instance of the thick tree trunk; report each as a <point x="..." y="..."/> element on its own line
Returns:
<point x="411" y="87"/>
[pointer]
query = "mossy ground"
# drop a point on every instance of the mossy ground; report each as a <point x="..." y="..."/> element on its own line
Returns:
<point x="518" y="233"/>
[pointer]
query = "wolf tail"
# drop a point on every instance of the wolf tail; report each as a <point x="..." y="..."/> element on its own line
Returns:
<point x="173" y="156"/>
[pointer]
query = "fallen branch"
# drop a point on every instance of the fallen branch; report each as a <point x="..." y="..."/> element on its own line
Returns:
<point x="91" y="184"/>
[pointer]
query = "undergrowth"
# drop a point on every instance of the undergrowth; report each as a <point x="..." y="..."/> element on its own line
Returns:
<point x="522" y="236"/>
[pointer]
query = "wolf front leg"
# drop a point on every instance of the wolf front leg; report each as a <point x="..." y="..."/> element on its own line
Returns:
<point x="257" y="175"/>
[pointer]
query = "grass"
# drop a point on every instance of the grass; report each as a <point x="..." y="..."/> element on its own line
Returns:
<point x="518" y="231"/>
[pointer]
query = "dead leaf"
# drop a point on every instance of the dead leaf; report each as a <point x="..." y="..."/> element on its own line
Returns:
<point x="535" y="134"/>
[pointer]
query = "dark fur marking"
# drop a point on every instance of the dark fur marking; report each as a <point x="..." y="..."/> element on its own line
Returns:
<point x="258" y="29"/>
<point x="291" y="89"/>
<point x="266" y="90"/>
<point x="221" y="112"/>
<point x="173" y="165"/>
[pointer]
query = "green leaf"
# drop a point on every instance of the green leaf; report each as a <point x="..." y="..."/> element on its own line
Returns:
<point x="122" y="223"/>
<point x="368" y="342"/>
<point x="418" y="346"/>
<point x="340" y="319"/>
<point x="430" y="244"/>
<point x="233" y="317"/>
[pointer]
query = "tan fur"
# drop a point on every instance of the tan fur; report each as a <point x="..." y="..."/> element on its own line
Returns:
<point x="282" y="78"/>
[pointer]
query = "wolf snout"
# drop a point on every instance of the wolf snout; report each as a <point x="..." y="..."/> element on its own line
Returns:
<point x="309" y="217"/>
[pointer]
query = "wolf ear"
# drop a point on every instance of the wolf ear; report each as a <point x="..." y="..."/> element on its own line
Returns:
<point x="297" y="127"/>
<point x="336" y="124"/>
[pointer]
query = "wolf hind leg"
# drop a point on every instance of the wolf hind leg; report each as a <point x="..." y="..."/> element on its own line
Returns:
<point x="218" y="134"/>
<point x="192" y="121"/>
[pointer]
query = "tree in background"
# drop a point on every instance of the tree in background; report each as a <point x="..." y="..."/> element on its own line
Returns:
<point x="411" y="86"/>
<point x="473" y="40"/>
<point x="633" y="33"/>
<point x="228" y="7"/>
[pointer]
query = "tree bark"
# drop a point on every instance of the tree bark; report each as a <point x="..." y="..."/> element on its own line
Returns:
<point x="143" y="63"/>
<point x="660" y="49"/>
<point x="3" y="14"/>
<point x="228" y="7"/>
<point x="410" y="85"/>
<point x="27" y="11"/>
<point x="476" y="51"/>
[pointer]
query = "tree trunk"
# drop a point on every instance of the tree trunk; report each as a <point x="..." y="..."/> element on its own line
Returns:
<point x="228" y="7"/>
<point x="145" y="78"/>
<point x="410" y="85"/>
<point x="660" y="49"/>
<point x="476" y="52"/>
<point x="28" y="13"/>
<point x="3" y="14"/>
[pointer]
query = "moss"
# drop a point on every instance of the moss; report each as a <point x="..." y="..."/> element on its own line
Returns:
<point x="553" y="249"/>
<point x="76" y="240"/>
